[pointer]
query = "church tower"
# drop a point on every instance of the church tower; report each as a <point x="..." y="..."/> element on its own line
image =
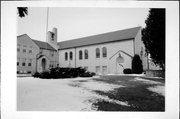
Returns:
<point x="52" y="38"/>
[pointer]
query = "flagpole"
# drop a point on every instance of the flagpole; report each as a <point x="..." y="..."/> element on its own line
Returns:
<point x="47" y="26"/>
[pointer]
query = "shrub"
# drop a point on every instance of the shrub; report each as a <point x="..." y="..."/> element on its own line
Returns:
<point x="64" y="73"/>
<point x="137" y="67"/>
<point x="45" y="74"/>
<point x="127" y="71"/>
<point x="36" y="75"/>
<point x="87" y="74"/>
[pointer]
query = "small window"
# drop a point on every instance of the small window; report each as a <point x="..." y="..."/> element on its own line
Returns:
<point x="23" y="64"/>
<point x="51" y="65"/>
<point x="29" y="64"/>
<point x="18" y="60"/>
<point x="97" y="53"/>
<point x="104" y="69"/>
<point x="24" y="50"/>
<point x="52" y="36"/>
<point x="30" y="51"/>
<point x="86" y="54"/>
<point x="29" y="72"/>
<point x="71" y="55"/>
<point x="104" y="52"/>
<point x="66" y="56"/>
<point x="97" y="69"/>
<point x="80" y="55"/>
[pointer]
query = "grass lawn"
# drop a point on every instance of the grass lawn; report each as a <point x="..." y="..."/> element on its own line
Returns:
<point x="135" y="92"/>
<point x="99" y="93"/>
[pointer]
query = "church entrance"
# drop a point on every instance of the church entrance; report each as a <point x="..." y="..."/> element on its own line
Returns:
<point x="43" y="64"/>
<point x="119" y="64"/>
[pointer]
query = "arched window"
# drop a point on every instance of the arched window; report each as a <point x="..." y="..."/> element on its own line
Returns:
<point x="97" y="53"/>
<point x="86" y="54"/>
<point x="104" y="52"/>
<point x="66" y="56"/>
<point x="80" y="54"/>
<point x="71" y="56"/>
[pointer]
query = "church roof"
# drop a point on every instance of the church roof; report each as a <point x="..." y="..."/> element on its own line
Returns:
<point x="100" y="38"/>
<point x="43" y="45"/>
<point x="40" y="44"/>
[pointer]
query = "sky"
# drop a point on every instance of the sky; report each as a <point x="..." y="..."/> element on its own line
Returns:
<point x="77" y="22"/>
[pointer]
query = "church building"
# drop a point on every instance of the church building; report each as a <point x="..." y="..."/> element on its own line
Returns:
<point x="107" y="53"/>
<point x="36" y="56"/>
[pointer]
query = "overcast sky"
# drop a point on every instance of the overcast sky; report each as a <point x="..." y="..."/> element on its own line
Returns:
<point x="79" y="22"/>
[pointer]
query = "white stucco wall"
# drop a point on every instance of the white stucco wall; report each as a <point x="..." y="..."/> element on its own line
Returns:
<point x="51" y="58"/>
<point x="24" y="42"/>
<point x="92" y="61"/>
<point x="139" y="46"/>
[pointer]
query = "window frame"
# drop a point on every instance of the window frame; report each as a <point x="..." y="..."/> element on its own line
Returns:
<point x="66" y="56"/>
<point x="23" y="64"/>
<point x="86" y="56"/>
<point x="98" y="53"/>
<point x="24" y="50"/>
<point x="30" y="51"/>
<point x="80" y="55"/>
<point x="104" y="68"/>
<point x="99" y="69"/>
<point x="104" y="52"/>
<point x="71" y="55"/>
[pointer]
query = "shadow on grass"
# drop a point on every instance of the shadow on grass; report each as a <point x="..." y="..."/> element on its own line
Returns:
<point x="138" y="98"/>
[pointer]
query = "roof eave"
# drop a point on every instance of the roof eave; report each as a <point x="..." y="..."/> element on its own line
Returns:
<point x="97" y="43"/>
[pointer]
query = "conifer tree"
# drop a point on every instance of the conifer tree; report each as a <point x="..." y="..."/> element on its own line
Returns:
<point x="137" y="67"/>
<point x="153" y="36"/>
<point x="22" y="11"/>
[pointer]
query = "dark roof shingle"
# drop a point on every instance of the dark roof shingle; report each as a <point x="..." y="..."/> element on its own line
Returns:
<point x="43" y="45"/>
<point x="101" y="38"/>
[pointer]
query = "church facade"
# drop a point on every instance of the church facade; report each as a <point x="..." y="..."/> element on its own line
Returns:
<point x="35" y="56"/>
<point x="107" y="53"/>
<point x="103" y="53"/>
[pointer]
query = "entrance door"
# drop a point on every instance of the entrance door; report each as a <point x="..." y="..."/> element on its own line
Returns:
<point x="43" y="64"/>
<point x="119" y="64"/>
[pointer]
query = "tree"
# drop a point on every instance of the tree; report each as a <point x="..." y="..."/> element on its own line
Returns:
<point x="153" y="36"/>
<point x="22" y="11"/>
<point x="137" y="67"/>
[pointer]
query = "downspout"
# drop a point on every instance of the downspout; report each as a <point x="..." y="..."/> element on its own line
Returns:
<point x="75" y="57"/>
<point x="134" y="45"/>
<point x="36" y="60"/>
